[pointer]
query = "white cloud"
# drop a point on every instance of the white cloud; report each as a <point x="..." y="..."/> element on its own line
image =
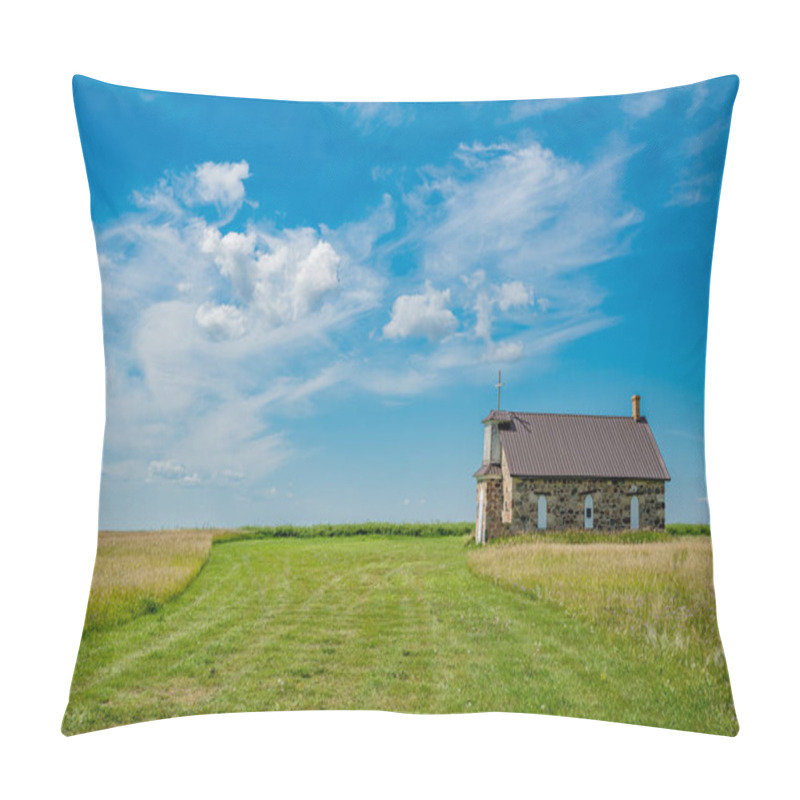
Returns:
<point x="699" y="96"/>
<point x="689" y="192"/>
<point x="508" y="350"/>
<point x="234" y="254"/>
<point x="474" y="280"/>
<point x="513" y="294"/>
<point x="522" y="210"/>
<point x="220" y="184"/>
<point x="316" y="276"/>
<point x="281" y="276"/>
<point x="221" y="322"/>
<point x="483" y="316"/>
<point x="421" y="315"/>
<point x="370" y="116"/>
<point x="171" y="471"/>
<point x="695" y="145"/>
<point x="357" y="239"/>
<point x="523" y="109"/>
<point x="644" y="104"/>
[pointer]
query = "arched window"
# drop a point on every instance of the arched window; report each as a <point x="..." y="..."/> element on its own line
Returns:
<point x="588" y="512"/>
<point x="634" y="513"/>
<point x="541" y="506"/>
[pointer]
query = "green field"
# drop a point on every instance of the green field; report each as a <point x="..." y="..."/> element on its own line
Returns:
<point x="382" y="622"/>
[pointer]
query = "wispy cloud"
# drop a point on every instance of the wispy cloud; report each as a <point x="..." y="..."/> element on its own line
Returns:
<point x="699" y="97"/>
<point x="522" y="210"/>
<point x="525" y="109"/>
<point x="369" y="117"/>
<point x="644" y="104"/>
<point x="697" y="182"/>
<point x="690" y="191"/>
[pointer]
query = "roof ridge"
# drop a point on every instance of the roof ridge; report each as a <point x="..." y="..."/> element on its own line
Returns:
<point x="571" y="414"/>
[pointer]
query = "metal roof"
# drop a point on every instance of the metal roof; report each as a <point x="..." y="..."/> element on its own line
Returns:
<point x="574" y="445"/>
<point x="503" y="416"/>
<point x="488" y="470"/>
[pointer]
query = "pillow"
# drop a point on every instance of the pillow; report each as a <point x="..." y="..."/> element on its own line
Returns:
<point x="312" y="314"/>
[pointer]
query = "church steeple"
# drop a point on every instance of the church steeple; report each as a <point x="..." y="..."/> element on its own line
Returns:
<point x="491" y="432"/>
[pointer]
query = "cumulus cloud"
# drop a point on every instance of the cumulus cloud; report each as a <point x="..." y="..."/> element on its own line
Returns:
<point x="282" y="276"/>
<point x="421" y="315"/>
<point x="220" y="184"/>
<point x="513" y="294"/>
<point x="221" y="322"/>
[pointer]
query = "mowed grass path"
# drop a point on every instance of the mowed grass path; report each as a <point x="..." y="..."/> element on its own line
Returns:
<point x="392" y="623"/>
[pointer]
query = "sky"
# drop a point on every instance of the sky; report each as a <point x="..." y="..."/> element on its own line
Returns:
<point x="306" y="305"/>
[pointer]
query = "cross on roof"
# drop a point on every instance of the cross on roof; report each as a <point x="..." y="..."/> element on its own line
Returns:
<point x="499" y="385"/>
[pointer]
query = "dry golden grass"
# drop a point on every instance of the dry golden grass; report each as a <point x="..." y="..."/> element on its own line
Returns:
<point x="659" y="592"/>
<point x="136" y="571"/>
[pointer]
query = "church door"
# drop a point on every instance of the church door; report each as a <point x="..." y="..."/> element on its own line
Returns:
<point x="541" y="511"/>
<point x="588" y="512"/>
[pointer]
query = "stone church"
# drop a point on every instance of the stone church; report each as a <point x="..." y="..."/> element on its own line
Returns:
<point x="568" y="471"/>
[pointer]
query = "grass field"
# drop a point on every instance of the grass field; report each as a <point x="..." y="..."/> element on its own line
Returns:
<point x="660" y="594"/>
<point x="137" y="572"/>
<point x="380" y="622"/>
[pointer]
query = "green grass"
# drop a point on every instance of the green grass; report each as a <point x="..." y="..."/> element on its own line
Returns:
<point x="136" y="572"/>
<point x="659" y="593"/>
<point x="396" y="623"/>
<point x="684" y="529"/>
<point x="427" y="529"/>
<point x="582" y="536"/>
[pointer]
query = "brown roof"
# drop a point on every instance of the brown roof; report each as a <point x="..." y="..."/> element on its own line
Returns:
<point x="573" y="445"/>
<point x="488" y="470"/>
<point x="503" y="416"/>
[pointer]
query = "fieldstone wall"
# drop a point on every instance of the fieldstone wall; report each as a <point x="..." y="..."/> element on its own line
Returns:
<point x="566" y="497"/>
<point x="494" y="508"/>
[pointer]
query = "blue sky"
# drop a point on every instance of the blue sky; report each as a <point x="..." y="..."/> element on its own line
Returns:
<point x="305" y="305"/>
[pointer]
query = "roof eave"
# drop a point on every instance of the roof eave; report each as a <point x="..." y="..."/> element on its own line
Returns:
<point x="593" y="477"/>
